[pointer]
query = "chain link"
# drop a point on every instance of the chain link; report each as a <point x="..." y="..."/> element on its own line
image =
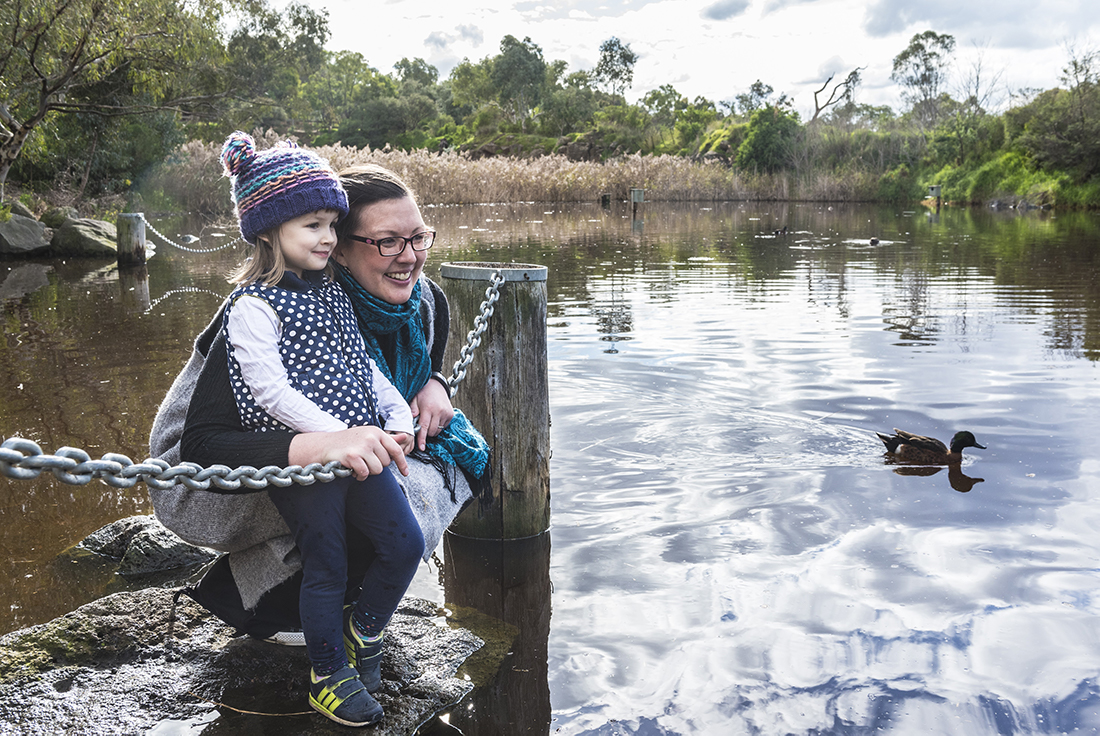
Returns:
<point x="164" y="238"/>
<point x="24" y="460"/>
<point x="481" y="323"/>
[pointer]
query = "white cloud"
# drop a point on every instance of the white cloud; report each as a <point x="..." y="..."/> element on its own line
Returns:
<point x="717" y="48"/>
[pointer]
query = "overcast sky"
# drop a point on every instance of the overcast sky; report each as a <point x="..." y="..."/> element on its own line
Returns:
<point x="717" y="48"/>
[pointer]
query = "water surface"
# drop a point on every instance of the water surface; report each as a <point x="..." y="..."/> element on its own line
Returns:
<point x="729" y="552"/>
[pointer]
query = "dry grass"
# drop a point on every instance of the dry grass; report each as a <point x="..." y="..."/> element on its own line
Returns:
<point x="193" y="180"/>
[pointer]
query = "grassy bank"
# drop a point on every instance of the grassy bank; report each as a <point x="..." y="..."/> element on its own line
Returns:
<point x="192" y="180"/>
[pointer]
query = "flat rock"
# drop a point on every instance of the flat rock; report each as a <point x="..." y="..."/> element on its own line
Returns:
<point x="106" y="668"/>
<point x="143" y="546"/>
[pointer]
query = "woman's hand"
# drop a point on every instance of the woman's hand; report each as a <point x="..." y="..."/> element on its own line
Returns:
<point x="366" y="450"/>
<point x="433" y="406"/>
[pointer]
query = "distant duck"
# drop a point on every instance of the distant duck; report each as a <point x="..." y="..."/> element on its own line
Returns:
<point x="780" y="232"/>
<point x="189" y="239"/>
<point x="874" y="241"/>
<point x="914" y="448"/>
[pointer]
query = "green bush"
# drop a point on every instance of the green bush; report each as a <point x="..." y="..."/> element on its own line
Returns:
<point x="768" y="141"/>
<point x="899" y="185"/>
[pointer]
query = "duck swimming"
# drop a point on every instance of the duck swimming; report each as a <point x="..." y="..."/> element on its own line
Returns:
<point x="914" y="448"/>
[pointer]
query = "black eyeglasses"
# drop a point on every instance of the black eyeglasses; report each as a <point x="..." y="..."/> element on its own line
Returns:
<point x="395" y="246"/>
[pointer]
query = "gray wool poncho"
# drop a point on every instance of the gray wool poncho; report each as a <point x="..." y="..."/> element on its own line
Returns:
<point x="247" y="526"/>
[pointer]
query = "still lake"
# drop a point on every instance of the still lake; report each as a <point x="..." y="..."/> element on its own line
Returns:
<point x="729" y="550"/>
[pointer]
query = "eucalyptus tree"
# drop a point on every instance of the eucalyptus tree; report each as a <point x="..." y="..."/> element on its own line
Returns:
<point x="518" y="75"/>
<point x="272" y="55"/>
<point x="921" y="69"/>
<point x="615" y="68"/>
<point x="54" y="53"/>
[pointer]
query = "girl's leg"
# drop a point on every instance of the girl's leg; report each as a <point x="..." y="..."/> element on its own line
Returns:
<point x="378" y="508"/>
<point x="315" y="515"/>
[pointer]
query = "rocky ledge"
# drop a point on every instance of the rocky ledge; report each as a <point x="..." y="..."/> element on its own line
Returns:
<point x="118" y="666"/>
<point x="107" y="668"/>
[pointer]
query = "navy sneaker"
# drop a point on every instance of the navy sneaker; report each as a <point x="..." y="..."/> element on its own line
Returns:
<point x="342" y="697"/>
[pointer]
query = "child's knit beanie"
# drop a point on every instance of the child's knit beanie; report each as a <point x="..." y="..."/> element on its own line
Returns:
<point x="278" y="184"/>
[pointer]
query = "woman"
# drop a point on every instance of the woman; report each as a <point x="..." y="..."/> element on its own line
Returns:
<point x="404" y="319"/>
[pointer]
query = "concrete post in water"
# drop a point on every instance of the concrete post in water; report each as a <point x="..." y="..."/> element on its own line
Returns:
<point x="130" y="229"/>
<point x="637" y="196"/>
<point x="505" y="394"/>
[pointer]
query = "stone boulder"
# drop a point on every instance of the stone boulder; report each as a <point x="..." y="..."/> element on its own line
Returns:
<point x="18" y="208"/>
<point x="85" y="237"/>
<point x="23" y="236"/>
<point x="143" y="546"/>
<point x="118" y="666"/>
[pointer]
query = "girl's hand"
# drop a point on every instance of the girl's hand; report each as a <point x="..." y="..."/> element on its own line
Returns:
<point x="366" y="450"/>
<point x="405" y="440"/>
<point x="433" y="406"/>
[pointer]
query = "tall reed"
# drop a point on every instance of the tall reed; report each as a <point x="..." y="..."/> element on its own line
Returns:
<point x="192" y="178"/>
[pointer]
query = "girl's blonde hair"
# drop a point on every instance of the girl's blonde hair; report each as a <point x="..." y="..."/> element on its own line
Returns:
<point x="266" y="263"/>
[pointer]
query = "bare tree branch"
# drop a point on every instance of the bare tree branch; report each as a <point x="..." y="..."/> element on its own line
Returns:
<point x="841" y="91"/>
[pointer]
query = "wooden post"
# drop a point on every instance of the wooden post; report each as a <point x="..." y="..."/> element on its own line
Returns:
<point x="509" y="581"/>
<point x="130" y="229"/>
<point x="505" y="394"/>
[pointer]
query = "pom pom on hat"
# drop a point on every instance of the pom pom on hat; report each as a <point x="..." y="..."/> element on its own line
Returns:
<point x="239" y="150"/>
<point x="278" y="184"/>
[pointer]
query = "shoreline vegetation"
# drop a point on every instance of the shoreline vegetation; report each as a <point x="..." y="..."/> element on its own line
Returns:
<point x="192" y="179"/>
<point x="108" y="120"/>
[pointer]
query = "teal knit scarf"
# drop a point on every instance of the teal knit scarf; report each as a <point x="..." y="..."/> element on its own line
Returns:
<point x="459" y="443"/>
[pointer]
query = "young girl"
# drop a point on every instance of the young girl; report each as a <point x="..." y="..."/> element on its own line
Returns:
<point x="298" y="362"/>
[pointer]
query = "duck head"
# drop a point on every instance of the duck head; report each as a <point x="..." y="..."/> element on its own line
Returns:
<point x="964" y="439"/>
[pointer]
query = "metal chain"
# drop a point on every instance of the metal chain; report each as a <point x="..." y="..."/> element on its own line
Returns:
<point x="473" y="337"/>
<point x="24" y="460"/>
<point x="163" y="237"/>
<point x="181" y="290"/>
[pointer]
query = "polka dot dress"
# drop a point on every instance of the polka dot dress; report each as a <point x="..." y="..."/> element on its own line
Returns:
<point x="323" y="353"/>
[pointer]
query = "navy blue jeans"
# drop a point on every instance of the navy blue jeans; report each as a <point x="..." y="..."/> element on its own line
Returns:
<point x="319" y="517"/>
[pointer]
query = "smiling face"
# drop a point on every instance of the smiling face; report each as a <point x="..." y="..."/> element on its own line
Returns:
<point x="389" y="279"/>
<point x="307" y="241"/>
